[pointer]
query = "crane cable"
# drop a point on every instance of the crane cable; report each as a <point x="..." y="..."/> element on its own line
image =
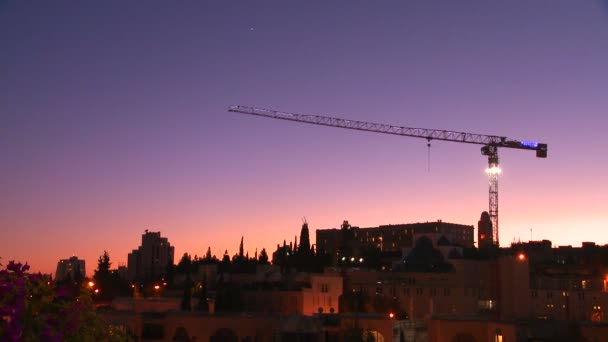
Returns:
<point x="428" y="155"/>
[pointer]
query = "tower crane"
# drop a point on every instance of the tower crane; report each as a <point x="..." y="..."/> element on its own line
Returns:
<point x="490" y="143"/>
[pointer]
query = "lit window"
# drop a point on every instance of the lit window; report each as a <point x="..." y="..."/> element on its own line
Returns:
<point x="498" y="336"/>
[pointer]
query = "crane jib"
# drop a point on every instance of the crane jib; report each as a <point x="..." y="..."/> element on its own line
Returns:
<point x="425" y="133"/>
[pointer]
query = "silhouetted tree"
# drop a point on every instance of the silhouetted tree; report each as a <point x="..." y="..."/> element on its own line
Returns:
<point x="208" y="256"/>
<point x="186" y="303"/>
<point x="225" y="264"/>
<point x="263" y="259"/>
<point x="185" y="264"/>
<point x="202" y="295"/>
<point x="170" y="273"/>
<point x="241" y="249"/>
<point x="425" y="258"/>
<point x="103" y="264"/>
<point x="304" y="240"/>
<point x="103" y="278"/>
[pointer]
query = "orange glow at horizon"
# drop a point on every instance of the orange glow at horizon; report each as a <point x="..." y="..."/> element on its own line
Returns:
<point x="258" y="235"/>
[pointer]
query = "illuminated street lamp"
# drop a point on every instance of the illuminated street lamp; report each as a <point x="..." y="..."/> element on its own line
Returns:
<point x="156" y="287"/>
<point x="91" y="284"/>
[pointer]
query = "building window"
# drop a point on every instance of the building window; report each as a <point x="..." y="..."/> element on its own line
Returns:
<point x="433" y="292"/>
<point x="406" y="291"/>
<point x="446" y="292"/>
<point x="379" y="290"/>
<point x="419" y="291"/>
<point x="487" y="304"/>
<point x="498" y="336"/>
<point x="324" y="288"/>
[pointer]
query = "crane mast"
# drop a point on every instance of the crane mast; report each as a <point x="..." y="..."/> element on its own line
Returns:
<point x="490" y="143"/>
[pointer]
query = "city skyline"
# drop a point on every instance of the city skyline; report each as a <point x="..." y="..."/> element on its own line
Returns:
<point x="115" y="121"/>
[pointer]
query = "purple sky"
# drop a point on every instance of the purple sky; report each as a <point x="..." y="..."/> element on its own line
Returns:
<point x="114" y="120"/>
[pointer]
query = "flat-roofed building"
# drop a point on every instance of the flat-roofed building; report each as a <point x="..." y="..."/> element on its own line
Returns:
<point x="72" y="267"/>
<point x="389" y="238"/>
<point x="151" y="259"/>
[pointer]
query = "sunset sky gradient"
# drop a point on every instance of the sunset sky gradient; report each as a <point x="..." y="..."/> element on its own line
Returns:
<point x="114" y="120"/>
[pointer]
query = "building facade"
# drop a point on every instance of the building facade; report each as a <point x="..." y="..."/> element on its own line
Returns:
<point x="72" y="267"/>
<point x="306" y="294"/>
<point x="151" y="259"/>
<point x="388" y="238"/>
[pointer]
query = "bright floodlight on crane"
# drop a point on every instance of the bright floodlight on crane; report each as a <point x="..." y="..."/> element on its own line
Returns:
<point x="494" y="170"/>
<point x="490" y="143"/>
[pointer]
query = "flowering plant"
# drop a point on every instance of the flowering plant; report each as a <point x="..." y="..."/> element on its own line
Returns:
<point x="33" y="309"/>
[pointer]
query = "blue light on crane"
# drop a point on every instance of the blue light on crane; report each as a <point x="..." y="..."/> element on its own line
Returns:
<point x="532" y="144"/>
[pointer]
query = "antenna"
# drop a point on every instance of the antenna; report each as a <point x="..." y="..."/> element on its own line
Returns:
<point x="531" y="234"/>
